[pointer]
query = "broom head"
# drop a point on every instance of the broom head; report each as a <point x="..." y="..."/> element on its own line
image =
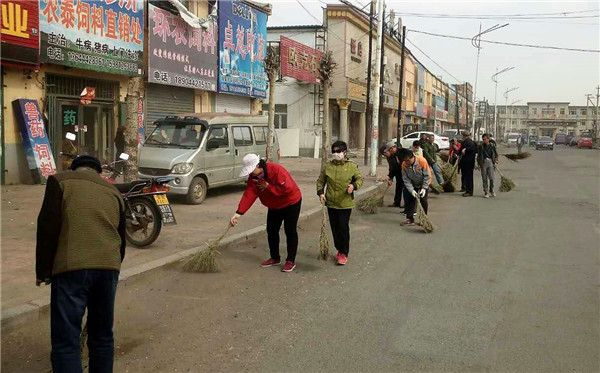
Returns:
<point x="424" y="221"/>
<point x="324" y="238"/>
<point x="205" y="260"/>
<point x="448" y="186"/>
<point x="437" y="188"/>
<point x="444" y="157"/>
<point x="506" y="184"/>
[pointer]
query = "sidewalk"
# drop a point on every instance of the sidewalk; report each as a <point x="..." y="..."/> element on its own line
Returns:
<point x="196" y="225"/>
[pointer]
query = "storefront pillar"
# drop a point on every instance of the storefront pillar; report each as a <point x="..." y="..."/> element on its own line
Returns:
<point x="344" y="103"/>
<point x="362" y="130"/>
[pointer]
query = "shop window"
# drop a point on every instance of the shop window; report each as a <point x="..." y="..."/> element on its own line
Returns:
<point x="534" y="111"/>
<point x="280" y="114"/>
<point x="572" y="112"/>
<point x="562" y="111"/>
<point x="242" y="136"/>
<point x="583" y="111"/>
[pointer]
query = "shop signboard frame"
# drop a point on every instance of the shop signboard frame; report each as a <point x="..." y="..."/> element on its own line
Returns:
<point x="299" y="61"/>
<point x="19" y="26"/>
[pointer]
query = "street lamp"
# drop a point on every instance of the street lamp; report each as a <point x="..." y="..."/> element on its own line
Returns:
<point x="506" y="103"/>
<point x="495" y="80"/>
<point x="476" y="42"/>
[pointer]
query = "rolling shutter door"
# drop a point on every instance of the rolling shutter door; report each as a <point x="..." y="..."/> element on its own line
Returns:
<point x="232" y="104"/>
<point x="163" y="100"/>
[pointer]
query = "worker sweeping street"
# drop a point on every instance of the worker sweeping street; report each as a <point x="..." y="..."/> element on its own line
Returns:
<point x="467" y="163"/>
<point x="390" y="152"/>
<point x="417" y="178"/>
<point x="338" y="181"/>
<point x="430" y="154"/>
<point x="487" y="160"/>
<point x="274" y="186"/>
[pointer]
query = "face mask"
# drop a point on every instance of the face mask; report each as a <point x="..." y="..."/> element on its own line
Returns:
<point x="259" y="176"/>
<point x="339" y="156"/>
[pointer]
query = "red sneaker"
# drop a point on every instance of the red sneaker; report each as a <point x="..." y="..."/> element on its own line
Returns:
<point x="288" y="266"/>
<point x="342" y="259"/>
<point x="270" y="263"/>
<point x="337" y="256"/>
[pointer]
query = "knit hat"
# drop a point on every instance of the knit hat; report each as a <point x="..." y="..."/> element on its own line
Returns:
<point x="86" y="161"/>
<point x="249" y="163"/>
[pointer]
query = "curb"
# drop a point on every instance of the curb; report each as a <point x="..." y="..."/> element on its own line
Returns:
<point x="32" y="311"/>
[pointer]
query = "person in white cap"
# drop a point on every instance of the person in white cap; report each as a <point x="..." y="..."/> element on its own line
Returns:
<point x="274" y="186"/>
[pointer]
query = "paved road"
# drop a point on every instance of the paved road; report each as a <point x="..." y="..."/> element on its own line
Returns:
<point x="505" y="284"/>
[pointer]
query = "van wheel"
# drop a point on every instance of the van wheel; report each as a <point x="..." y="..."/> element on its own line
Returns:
<point x="197" y="191"/>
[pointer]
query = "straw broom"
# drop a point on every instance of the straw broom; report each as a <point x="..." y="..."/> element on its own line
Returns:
<point x="448" y="185"/>
<point x="515" y="157"/>
<point x="506" y="184"/>
<point x="369" y="204"/>
<point x="205" y="260"/>
<point x="324" y="237"/>
<point x="444" y="157"/>
<point x="424" y="221"/>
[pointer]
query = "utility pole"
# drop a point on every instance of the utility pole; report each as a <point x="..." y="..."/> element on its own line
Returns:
<point x="375" y="122"/>
<point x="382" y="75"/>
<point x="595" y="134"/>
<point x="457" y="111"/>
<point x="368" y="129"/>
<point x="400" y="130"/>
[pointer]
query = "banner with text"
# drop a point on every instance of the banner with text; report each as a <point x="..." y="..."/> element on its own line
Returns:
<point x="242" y="49"/>
<point x="35" y="140"/>
<point x="299" y="61"/>
<point x="179" y="54"/>
<point x="20" y="32"/>
<point x="101" y="35"/>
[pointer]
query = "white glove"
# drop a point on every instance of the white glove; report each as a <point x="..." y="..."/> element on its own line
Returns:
<point x="415" y="194"/>
<point x="422" y="192"/>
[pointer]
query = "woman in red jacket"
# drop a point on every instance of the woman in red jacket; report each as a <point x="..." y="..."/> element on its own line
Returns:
<point x="274" y="186"/>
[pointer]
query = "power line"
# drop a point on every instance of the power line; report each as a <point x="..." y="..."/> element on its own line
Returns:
<point x="432" y="60"/>
<point x="507" y="43"/>
<point x="506" y="15"/>
<point x="562" y="15"/>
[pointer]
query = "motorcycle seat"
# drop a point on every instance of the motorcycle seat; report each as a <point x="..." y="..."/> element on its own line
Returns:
<point x="126" y="187"/>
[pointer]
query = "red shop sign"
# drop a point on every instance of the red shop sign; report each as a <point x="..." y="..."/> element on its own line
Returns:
<point x="299" y="61"/>
<point x="19" y="25"/>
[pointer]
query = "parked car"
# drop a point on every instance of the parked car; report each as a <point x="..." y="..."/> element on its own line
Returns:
<point x="512" y="140"/>
<point x="573" y="141"/>
<point x="440" y="142"/>
<point x="450" y="133"/>
<point x="544" y="142"/>
<point x="568" y="139"/>
<point x="202" y="151"/>
<point x="560" y="138"/>
<point x="585" y="142"/>
<point x="532" y="140"/>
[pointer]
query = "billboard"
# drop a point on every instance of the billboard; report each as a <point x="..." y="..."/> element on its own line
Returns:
<point x="96" y="35"/>
<point x="179" y="54"/>
<point x="20" y="32"/>
<point x="242" y="49"/>
<point x="35" y="140"/>
<point x="299" y="61"/>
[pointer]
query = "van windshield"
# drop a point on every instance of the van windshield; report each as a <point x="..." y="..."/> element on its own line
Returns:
<point x="176" y="135"/>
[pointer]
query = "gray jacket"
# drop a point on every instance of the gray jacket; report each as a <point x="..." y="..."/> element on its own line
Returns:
<point x="416" y="175"/>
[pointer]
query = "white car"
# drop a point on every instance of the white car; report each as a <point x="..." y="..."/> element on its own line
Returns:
<point x="440" y="142"/>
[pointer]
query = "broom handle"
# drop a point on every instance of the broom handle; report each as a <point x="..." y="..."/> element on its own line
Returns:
<point x="218" y="240"/>
<point x="500" y="172"/>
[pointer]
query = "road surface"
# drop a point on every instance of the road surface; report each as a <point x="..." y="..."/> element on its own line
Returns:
<point x="503" y="285"/>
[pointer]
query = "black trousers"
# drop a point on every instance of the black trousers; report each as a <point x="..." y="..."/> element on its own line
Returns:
<point x="467" y="175"/>
<point x="411" y="204"/>
<point x="398" y="192"/>
<point x="70" y="294"/>
<point x="339" y="221"/>
<point x="289" y="217"/>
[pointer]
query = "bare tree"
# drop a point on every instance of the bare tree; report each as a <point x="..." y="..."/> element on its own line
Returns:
<point x="326" y="67"/>
<point x="272" y="64"/>
<point x="134" y="89"/>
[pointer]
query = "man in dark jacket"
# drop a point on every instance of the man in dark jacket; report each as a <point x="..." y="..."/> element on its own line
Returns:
<point x="467" y="163"/>
<point x="430" y="154"/>
<point x="390" y="152"/>
<point x="487" y="159"/>
<point x="80" y="247"/>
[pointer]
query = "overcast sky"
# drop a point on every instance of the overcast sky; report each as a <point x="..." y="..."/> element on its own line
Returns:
<point x="541" y="75"/>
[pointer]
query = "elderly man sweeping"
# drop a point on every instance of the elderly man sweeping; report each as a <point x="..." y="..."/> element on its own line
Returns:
<point x="390" y="152"/>
<point x="417" y="178"/>
<point x="487" y="159"/>
<point x="274" y="186"/>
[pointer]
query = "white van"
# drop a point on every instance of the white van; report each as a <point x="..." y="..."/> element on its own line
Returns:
<point x="203" y="151"/>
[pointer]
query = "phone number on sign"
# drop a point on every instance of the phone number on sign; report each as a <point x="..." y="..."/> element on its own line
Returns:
<point x="186" y="81"/>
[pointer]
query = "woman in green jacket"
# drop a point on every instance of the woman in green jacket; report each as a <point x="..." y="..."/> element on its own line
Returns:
<point x="341" y="177"/>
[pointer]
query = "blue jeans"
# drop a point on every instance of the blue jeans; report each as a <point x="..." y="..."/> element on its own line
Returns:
<point x="437" y="173"/>
<point x="71" y="293"/>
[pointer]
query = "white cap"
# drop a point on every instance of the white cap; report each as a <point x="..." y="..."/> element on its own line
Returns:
<point x="249" y="163"/>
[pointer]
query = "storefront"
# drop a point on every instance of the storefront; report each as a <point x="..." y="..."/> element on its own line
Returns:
<point x="232" y="104"/>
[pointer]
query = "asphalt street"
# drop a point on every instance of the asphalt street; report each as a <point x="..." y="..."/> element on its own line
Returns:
<point x="508" y="284"/>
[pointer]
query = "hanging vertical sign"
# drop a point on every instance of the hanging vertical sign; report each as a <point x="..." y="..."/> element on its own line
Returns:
<point x="242" y="49"/>
<point x="141" y="132"/>
<point x="35" y="140"/>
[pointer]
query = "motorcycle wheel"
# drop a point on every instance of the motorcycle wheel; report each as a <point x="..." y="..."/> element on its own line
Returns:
<point x="146" y="230"/>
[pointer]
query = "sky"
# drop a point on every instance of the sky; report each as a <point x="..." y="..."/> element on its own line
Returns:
<point x="540" y="74"/>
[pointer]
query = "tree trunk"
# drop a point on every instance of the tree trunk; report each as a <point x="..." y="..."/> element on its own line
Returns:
<point x="271" y="132"/>
<point x="134" y="88"/>
<point x="325" y="132"/>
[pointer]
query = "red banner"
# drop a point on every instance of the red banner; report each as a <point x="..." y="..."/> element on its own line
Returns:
<point x="299" y="61"/>
<point x="20" y="31"/>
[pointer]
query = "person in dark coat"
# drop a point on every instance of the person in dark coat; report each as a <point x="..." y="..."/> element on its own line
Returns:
<point x="390" y="152"/>
<point x="120" y="146"/>
<point x="467" y="163"/>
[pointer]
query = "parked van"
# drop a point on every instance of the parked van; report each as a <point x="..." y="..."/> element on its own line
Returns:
<point x="561" y="138"/>
<point x="203" y="151"/>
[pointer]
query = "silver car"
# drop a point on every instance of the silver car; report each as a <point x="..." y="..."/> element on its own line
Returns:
<point x="203" y="151"/>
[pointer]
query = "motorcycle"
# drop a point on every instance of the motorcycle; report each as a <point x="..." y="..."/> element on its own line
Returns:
<point x="146" y="203"/>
